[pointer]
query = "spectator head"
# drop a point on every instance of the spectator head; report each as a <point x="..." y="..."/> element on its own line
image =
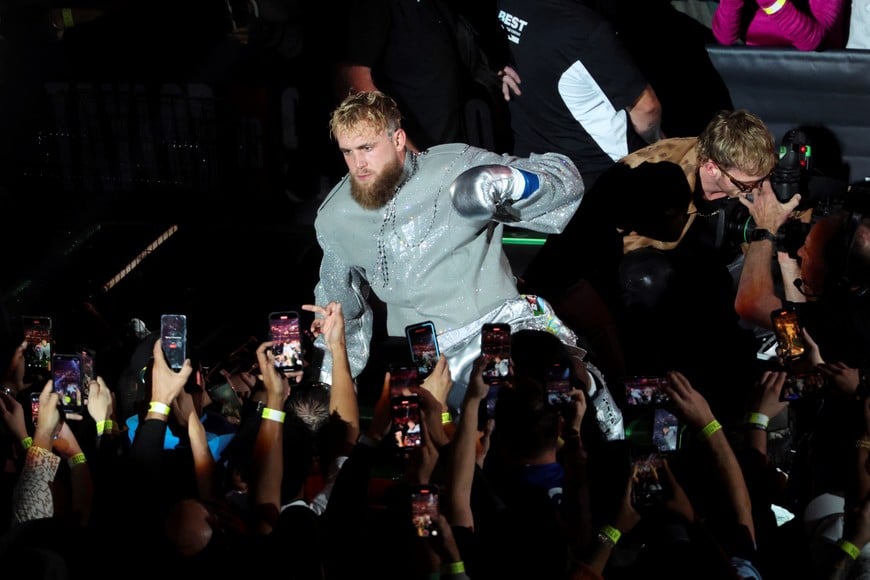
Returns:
<point x="527" y="427"/>
<point x="836" y="254"/>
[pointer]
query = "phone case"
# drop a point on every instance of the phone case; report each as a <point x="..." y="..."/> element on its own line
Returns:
<point x="67" y="381"/>
<point x="406" y="426"/>
<point x="666" y="431"/>
<point x="38" y="334"/>
<point x="646" y="488"/>
<point x="286" y="336"/>
<point x="787" y="328"/>
<point x="423" y="344"/>
<point x="424" y="510"/>
<point x="402" y="379"/>
<point x="642" y="391"/>
<point x="34" y="407"/>
<point x="495" y="346"/>
<point x="800" y="385"/>
<point x="558" y="384"/>
<point x="173" y="334"/>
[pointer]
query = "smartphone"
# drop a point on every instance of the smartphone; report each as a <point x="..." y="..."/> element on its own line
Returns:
<point x="67" y="379"/>
<point x="406" y="428"/>
<point x="665" y="430"/>
<point x="423" y="343"/>
<point x="646" y="489"/>
<point x="801" y="385"/>
<point x="287" y="340"/>
<point x="558" y="384"/>
<point x="173" y="334"/>
<point x="495" y="346"/>
<point x="88" y="369"/>
<point x="787" y="328"/>
<point x="645" y="390"/>
<point x="424" y="510"/>
<point x="491" y="400"/>
<point x="38" y="334"/>
<point x="403" y="378"/>
<point x="227" y="399"/>
<point x="34" y="407"/>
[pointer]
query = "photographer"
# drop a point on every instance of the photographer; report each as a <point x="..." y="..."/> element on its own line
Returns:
<point x="827" y="277"/>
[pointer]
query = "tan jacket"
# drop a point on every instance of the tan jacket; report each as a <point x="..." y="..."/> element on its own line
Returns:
<point x="681" y="151"/>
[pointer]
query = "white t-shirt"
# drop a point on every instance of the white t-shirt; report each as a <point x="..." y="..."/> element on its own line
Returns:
<point x="859" y="25"/>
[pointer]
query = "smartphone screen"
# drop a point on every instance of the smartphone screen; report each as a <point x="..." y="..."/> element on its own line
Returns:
<point x="423" y="343"/>
<point x="424" y="510"/>
<point x="66" y="372"/>
<point x="88" y="370"/>
<point x="800" y="385"/>
<point x="173" y="334"/>
<point x="558" y="384"/>
<point x="287" y="340"/>
<point x="34" y="407"/>
<point x="787" y="329"/>
<point x="38" y="334"/>
<point x="643" y="391"/>
<point x="495" y="346"/>
<point x="666" y="430"/>
<point x="646" y="488"/>
<point x="406" y="422"/>
<point x="403" y="379"/>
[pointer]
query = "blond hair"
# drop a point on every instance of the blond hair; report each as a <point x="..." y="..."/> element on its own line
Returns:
<point x="738" y="139"/>
<point x="371" y="108"/>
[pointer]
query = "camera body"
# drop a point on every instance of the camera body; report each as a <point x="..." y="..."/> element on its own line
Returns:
<point x="791" y="174"/>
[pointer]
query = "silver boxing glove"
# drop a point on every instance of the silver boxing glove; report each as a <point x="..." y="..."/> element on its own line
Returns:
<point x="489" y="190"/>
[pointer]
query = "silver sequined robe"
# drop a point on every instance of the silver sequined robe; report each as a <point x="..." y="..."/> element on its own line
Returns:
<point x="427" y="262"/>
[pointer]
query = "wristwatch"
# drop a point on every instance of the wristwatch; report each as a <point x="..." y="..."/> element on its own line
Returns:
<point x="761" y="234"/>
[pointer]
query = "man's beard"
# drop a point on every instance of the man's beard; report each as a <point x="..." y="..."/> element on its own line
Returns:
<point x="380" y="190"/>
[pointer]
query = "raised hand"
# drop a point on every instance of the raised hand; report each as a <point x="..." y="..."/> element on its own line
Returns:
<point x="277" y="385"/>
<point x="166" y="384"/>
<point x="510" y="82"/>
<point x="688" y="402"/>
<point x="100" y="401"/>
<point x="329" y="321"/>
<point x="439" y="382"/>
<point x="767" y="393"/>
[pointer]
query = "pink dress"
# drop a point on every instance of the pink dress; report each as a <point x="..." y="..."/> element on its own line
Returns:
<point x="820" y="26"/>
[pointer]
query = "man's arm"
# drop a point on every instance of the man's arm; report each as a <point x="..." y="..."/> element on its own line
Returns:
<point x="755" y="290"/>
<point x="341" y="283"/>
<point x="539" y="193"/>
<point x="646" y="115"/>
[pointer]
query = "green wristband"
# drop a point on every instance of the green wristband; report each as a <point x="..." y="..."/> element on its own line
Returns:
<point x="709" y="429"/>
<point x="758" y="420"/>
<point x="851" y="549"/>
<point x="609" y="535"/>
